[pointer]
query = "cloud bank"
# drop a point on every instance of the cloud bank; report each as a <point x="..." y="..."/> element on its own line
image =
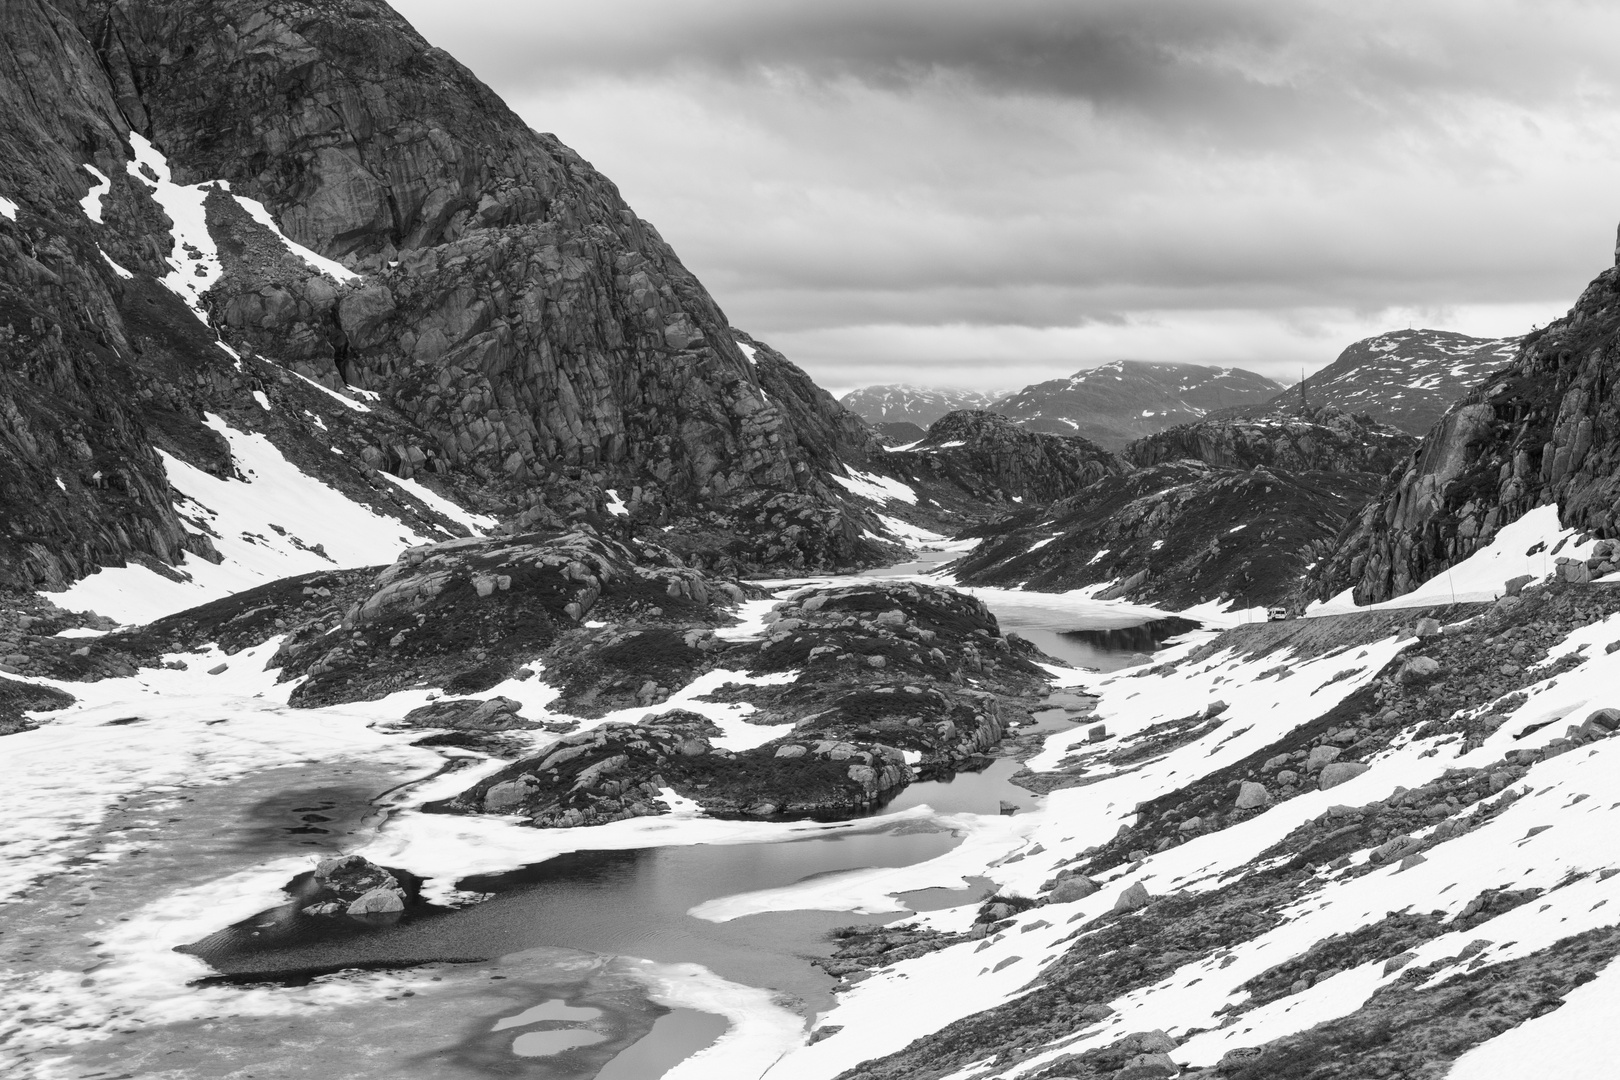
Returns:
<point x="985" y="195"/>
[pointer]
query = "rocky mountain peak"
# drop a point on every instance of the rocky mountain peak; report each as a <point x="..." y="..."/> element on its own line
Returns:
<point x="1404" y="378"/>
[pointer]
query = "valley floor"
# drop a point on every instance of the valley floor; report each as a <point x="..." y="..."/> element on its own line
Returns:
<point x="1325" y="847"/>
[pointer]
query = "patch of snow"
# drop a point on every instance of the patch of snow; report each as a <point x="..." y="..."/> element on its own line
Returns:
<point x="335" y="270"/>
<point x="243" y="516"/>
<point x="91" y="203"/>
<point x="1482" y="576"/>
<point x="476" y="524"/>
<point x="749" y="352"/>
<point x="194" y="263"/>
<point x="615" y="505"/>
<point x="908" y="533"/>
<point x="8" y="209"/>
<point x="346" y="402"/>
<point x="874" y="487"/>
<point x="116" y="269"/>
<point x="264" y="402"/>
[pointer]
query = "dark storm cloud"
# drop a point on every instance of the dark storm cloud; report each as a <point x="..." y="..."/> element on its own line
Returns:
<point x="1284" y="68"/>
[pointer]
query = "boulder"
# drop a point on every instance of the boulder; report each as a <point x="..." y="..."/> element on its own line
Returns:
<point x="1514" y="586"/>
<point x="1132" y="898"/>
<point x="1252" y="796"/>
<point x="1071" y="889"/>
<point x="1605" y="720"/>
<point x="379" y="901"/>
<point x="1427" y="628"/>
<point x="506" y="797"/>
<point x="1321" y="756"/>
<point x="1418" y="669"/>
<point x="1339" y="772"/>
<point x="1148" y="1067"/>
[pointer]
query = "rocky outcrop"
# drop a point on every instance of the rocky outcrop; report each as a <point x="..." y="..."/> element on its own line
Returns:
<point x="1326" y="440"/>
<point x="886" y="683"/>
<point x="1405" y="378"/>
<point x="975" y="457"/>
<point x="467" y="615"/>
<point x="1127" y="399"/>
<point x="1544" y="430"/>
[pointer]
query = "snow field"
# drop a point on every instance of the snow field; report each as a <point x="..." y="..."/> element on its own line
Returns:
<point x="913" y="998"/>
<point x="263" y="524"/>
<point x="1481" y="576"/>
<point x="871" y="486"/>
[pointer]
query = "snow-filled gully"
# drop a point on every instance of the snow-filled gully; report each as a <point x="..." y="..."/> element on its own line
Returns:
<point x="115" y="811"/>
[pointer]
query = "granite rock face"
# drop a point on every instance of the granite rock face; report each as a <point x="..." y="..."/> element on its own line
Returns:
<point x="513" y="305"/>
<point x="1544" y="430"/>
<point x="527" y="339"/>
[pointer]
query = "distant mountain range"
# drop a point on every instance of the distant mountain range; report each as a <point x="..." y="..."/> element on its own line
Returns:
<point x="1405" y="378"/>
<point x="1110" y="405"/>
<point x="1113" y="404"/>
<point x="900" y="404"/>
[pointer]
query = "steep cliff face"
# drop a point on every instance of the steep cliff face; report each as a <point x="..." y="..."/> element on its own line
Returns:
<point x="513" y="305"/>
<point x="80" y="482"/>
<point x="310" y="189"/>
<point x="1544" y="430"/>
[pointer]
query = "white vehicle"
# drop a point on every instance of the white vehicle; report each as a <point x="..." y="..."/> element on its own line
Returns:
<point x="1277" y="614"/>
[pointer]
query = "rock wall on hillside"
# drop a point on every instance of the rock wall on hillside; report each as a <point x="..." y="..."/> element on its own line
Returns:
<point x="1544" y="430"/>
<point x="529" y="338"/>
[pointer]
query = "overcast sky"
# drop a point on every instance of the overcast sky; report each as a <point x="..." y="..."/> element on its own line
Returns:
<point x="985" y="194"/>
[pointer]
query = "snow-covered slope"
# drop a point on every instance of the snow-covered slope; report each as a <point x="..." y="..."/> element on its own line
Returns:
<point x="270" y="520"/>
<point x="1405" y="378"/>
<point x="1308" y="841"/>
<point x="1127" y="399"/>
